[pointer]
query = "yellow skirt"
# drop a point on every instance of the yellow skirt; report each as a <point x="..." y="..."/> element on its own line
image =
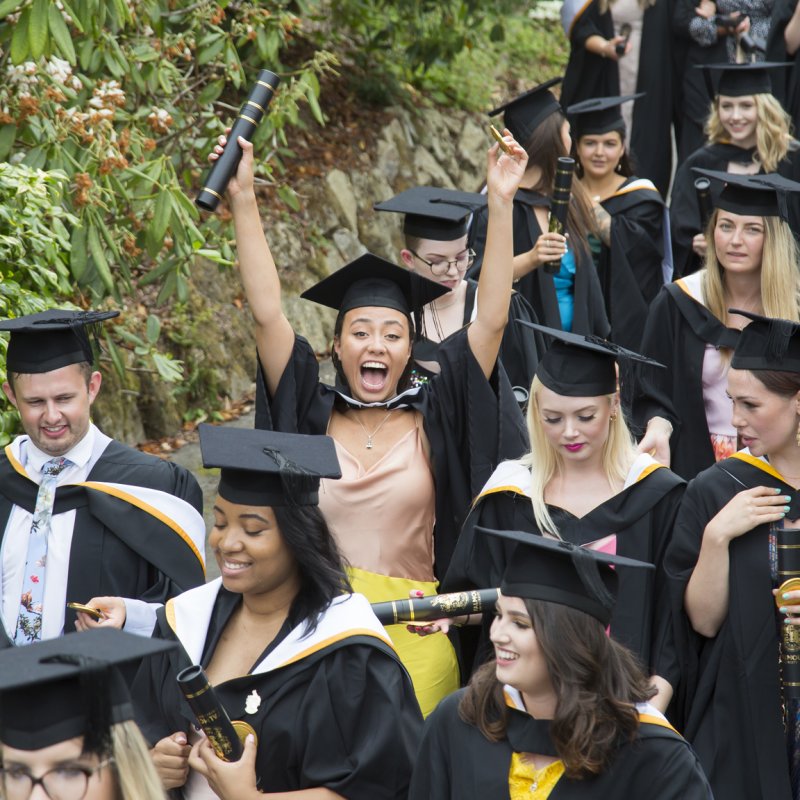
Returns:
<point x="430" y="660"/>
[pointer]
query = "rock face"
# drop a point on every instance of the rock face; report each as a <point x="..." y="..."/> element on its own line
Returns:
<point x="335" y="224"/>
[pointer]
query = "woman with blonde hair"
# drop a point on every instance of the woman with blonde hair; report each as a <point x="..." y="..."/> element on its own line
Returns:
<point x="747" y="132"/>
<point x="66" y="720"/>
<point x="752" y="263"/>
<point x="582" y="482"/>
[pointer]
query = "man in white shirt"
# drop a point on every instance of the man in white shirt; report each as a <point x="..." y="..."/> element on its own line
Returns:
<point x="123" y="523"/>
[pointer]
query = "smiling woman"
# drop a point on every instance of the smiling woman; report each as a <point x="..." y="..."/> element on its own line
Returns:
<point x="626" y="503"/>
<point x="412" y="457"/>
<point x="289" y="649"/>
<point x="562" y="711"/>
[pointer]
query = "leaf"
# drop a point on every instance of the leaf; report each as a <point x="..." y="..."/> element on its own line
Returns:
<point x="8" y="134"/>
<point x="210" y="52"/>
<point x="153" y="328"/>
<point x="77" y="256"/>
<point x="210" y="93"/>
<point x="38" y="27"/>
<point x="313" y="104"/>
<point x="61" y="35"/>
<point x="7" y="6"/>
<point x="116" y="357"/>
<point x="19" y="39"/>
<point x="169" y="369"/>
<point x="100" y="262"/>
<point x="286" y="193"/>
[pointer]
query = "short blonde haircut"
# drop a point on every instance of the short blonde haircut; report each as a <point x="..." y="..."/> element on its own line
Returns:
<point x="773" y="130"/>
<point x="780" y="273"/>
<point x="545" y="462"/>
<point x="136" y="775"/>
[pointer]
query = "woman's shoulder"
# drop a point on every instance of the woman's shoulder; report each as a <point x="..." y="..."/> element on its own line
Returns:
<point x="509" y="476"/>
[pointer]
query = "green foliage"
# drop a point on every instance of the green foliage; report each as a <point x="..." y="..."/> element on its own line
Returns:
<point x="396" y="47"/>
<point x="34" y="250"/>
<point x="108" y="110"/>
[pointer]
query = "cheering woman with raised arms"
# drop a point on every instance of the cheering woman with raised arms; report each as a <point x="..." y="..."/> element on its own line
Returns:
<point x="408" y="456"/>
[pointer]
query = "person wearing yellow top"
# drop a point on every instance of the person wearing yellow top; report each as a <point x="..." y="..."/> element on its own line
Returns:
<point x="562" y="713"/>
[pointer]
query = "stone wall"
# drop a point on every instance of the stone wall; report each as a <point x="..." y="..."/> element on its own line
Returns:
<point x="335" y="224"/>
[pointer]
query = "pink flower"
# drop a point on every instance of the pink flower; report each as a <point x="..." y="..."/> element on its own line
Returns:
<point x="34" y="579"/>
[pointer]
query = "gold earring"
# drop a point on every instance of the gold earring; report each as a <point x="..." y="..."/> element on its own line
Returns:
<point x="797" y="437"/>
<point x="614" y="416"/>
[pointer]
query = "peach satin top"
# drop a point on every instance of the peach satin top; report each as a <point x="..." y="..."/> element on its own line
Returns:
<point x="382" y="518"/>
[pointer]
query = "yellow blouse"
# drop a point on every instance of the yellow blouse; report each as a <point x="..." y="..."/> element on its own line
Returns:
<point x="525" y="782"/>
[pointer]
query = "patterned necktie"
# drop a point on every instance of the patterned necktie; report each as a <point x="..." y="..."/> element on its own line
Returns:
<point x="29" y="622"/>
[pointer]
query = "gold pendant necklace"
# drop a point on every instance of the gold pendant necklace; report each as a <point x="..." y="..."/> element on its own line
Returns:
<point x="370" y="436"/>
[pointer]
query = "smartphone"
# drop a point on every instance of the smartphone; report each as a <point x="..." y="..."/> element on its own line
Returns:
<point x="94" y="613"/>
<point x="499" y="138"/>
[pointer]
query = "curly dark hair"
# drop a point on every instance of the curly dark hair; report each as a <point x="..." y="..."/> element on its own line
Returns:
<point x="596" y="681"/>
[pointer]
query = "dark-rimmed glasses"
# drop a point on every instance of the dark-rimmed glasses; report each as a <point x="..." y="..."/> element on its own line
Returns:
<point x="463" y="262"/>
<point x="60" y="783"/>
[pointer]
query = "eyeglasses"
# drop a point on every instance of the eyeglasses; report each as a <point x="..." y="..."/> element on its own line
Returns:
<point x="463" y="262"/>
<point x="60" y="783"/>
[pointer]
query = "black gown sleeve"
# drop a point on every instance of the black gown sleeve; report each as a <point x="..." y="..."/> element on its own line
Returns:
<point x="357" y="726"/>
<point x="522" y="347"/>
<point x="435" y="762"/>
<point x="653" y="395"/>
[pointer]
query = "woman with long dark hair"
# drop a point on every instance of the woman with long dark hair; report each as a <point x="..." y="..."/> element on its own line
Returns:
<point x="562" y="711"/>
<point x="289" y="649"/>
<point x="632" y="246"/>
<point x="724" y="561"/>
<point x="571" y="298"/>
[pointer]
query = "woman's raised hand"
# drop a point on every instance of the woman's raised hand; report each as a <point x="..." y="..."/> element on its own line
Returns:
<point x="747" y="510"/>
<point x="504" y="170"/>
<point x="242" y="181"/>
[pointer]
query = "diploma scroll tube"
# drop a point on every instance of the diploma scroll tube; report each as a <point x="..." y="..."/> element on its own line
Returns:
<point x="702" y="187"/>
<point x="559" y="204"/>
<point x="255" y="107"/>
<point x="226" y="737"/>
<point x="437" y="606"/>
<point x="788" y="547"/>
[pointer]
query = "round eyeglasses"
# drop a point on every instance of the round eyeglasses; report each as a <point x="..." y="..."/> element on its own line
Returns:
<point x="60" y="783"/>
<point x="463" y="262"/>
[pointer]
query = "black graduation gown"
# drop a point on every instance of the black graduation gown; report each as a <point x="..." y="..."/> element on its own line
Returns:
<point x="456" y="762"/>
<point x="588" y="75"/>
<point x="641" y="516"/>
<point x="631" y="269"/>
<point x="472" y="424"/>
<point x="684" y="211"/>
<point x="694" y="92"/>
<point x="677" y="331"/>
<point x="342" y="716"/>
<point x="117" y="550"/>
<point x="732" y="696"/>
<point x="785" y="82"/>
<point x="537" y="287"/>
<point x="519" y="350"/>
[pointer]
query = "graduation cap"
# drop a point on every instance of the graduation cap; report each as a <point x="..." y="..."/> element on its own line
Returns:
<point x="753" y="195"/>
<point x="542" y="568"/>
<point x="581" y="366"/>
<point x="61" y="688"/>
<point x="740" y="80"/>
<point x="51" y="339"/>
<point x="523" y="114"/>
<point x="431" y="213"/>
<point x="767" y="344"/>
<point x="267" y="468"/>
<point x="373" y="281"/>
<point x="599" y="114"/>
